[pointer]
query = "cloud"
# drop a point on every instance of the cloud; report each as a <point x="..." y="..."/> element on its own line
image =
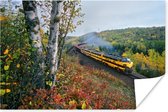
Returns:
<point x="104" y="15"/>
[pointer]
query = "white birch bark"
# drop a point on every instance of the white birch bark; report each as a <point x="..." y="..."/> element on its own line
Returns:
<point x="52" y="55"/>
<point x="33" y="23"/>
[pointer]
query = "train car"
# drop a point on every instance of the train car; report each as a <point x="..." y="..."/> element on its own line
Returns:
<point x="116" y="62"/>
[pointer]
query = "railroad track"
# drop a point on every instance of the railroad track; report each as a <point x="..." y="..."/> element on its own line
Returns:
<point x="132" y="75"/>
<point x="88" y="61"/>
<point x="137" y="76"/>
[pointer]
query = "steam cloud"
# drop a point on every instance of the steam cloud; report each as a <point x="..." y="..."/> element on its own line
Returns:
<point x="94" y="41"/>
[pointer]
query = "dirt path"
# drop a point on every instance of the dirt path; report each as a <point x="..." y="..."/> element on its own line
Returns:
<point x="84" y="60"/>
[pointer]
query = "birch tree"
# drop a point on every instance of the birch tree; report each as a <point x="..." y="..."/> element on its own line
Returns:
<point x="61" y="15"/>
<point x="70" y="11"/>
<point x="52" y="57"/>
<point x="70" y="19"/>
<point x="33" y="26"/>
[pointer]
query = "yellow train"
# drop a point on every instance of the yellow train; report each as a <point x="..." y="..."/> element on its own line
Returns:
<point x="116" y="62"/>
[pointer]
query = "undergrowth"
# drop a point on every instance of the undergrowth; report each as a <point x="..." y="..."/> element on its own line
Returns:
<point x="81" y="87"/>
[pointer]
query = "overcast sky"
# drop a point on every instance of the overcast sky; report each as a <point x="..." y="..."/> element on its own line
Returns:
<point x="118" y="14"/>
<point x="107" y="15"/>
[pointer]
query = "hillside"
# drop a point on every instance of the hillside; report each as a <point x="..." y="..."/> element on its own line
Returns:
<point x="136" y="39"/>
<point x="81" y="89"/>
<point x="144" y="46"/>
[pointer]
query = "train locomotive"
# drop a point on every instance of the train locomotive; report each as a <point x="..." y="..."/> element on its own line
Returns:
<point x="117" y="62"/>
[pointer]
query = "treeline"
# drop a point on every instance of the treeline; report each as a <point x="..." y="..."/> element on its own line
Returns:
<point x="145" y="46"/>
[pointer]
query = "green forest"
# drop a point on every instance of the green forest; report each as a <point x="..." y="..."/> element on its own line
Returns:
<point x="144" y="46"/>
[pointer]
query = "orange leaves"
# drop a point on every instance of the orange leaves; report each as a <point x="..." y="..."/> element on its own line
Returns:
<point x="72" y="104"/>
<point x="77" y="79"/>
<point x="57" y="98"/>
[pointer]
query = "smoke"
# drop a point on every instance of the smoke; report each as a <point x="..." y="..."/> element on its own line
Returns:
<point x="93" y="41"/>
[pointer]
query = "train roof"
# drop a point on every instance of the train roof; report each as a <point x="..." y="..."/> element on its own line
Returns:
<point x="111" y="56"/>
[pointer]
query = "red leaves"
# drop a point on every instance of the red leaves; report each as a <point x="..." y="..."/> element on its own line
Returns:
<point x="80" y="88"/>
<point x="98" y="105"/>
<point x="57" y="98"/>
<point x="103" y="86"/>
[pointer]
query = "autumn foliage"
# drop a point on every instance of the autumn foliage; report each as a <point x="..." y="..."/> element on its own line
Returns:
<point x="78" y="87"/>
<point x="81" y="87"/>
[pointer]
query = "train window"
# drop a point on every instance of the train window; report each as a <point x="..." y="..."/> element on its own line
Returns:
<point x="126" y="60"/>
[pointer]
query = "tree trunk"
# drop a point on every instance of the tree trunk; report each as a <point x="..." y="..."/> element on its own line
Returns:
<point x="33" y="24"/>
<point x="52" y="55"/>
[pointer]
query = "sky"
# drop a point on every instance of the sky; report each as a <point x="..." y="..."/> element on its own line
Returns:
<point x="108" y="15"/>
<point x="103" y="15"/>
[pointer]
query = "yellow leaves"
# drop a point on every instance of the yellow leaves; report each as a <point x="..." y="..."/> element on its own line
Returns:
<point x="6" y="67"/>
<point x="84" y="105"/>
<point x="49" y="83"/>
<point x="18" y="65"/>
<point x="10" y="56"/>
<point x="141" y="39"/>
<point x="3" y="91"/>
<point x="7" y="90"/>
<point x="124" y="55"/>
<point x="60" y="76"/>
<point x="6" y="51"/>
<point x="3" y="18"/>
<point x="30" y="103"/>
<point x="35" y="41"/>
<point x="42" y="31"/>
<point x="72" y="102"/>
<point x="4" y="83"/>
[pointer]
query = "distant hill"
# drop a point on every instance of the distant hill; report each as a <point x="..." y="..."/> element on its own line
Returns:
<point x="144" y="46"/>
<point x="136" y="39"/>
